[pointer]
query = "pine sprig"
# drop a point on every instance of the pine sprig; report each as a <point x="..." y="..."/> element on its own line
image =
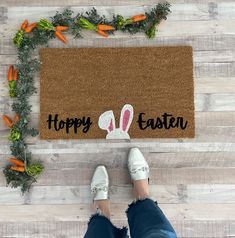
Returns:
<point x="18" y="179"/>
<point x="65" y="19"/>
<point x="62" y="18"/>
<point x="156" y="15"/>
<point x="133" y="28"/>
<point x="93" y="17"/>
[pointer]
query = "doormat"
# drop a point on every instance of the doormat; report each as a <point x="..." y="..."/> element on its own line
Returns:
<point x="116" y="93"/>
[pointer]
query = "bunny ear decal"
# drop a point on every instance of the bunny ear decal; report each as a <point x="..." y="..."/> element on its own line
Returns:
<point x="107" y="122"/>
<point x="126" y="117"/>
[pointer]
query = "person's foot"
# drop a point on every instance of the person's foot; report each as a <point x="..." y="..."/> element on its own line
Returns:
<point x="139" y="171"/>
<point x="100" y="189"/>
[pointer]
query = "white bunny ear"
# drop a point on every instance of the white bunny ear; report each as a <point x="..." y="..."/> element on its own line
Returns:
<point x="107" y="121"/>
<point x="126" y="117"/>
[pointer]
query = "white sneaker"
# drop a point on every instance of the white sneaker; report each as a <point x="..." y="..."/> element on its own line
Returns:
<point x="137" y="165"/>
<point x="100" y="183"/>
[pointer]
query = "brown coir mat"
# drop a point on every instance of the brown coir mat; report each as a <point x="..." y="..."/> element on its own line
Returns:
<point x="143" y="92"/>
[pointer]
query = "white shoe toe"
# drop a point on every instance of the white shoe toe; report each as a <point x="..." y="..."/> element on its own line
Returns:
<point x="137" y="165"/>
<point x="100" y="183"/>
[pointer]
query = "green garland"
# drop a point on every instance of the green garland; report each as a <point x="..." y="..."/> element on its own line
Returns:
<point x="28" y="41"/>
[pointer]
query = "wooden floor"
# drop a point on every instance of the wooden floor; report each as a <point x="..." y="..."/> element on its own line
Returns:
<point x="193" y="179"/>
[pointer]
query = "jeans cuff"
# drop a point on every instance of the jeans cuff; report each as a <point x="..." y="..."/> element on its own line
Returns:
<point x="121" y="232"/>
<point x="139" y="200"/>
<point x="98" y="213"/>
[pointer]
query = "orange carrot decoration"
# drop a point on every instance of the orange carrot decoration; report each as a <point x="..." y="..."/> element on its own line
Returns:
<point x="7" y="120"/>
<point x="16" y="168"/>
<point x="137" y="18"/>
<point x="62" y="28"/>
<point x="61" y="37"/>
<point x="16" y="118"/>
<point x="24" y="24"/>
<point x="102" y="33"/>
<point x="105" y="27"/>
<point x="17" y="162"/>
<point x="10" y="73"/>
<point x="30" y="27"/>
<point x="15" y="76"/>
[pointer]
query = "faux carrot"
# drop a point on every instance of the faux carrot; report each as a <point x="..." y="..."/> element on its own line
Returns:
<point x="24" y="24"/>
<point x="137" y="18"/>
<point x="16" y="118"/>
<point x="16" y="168"/>
<point x="103" y="33"/>
<point x="105" y="27"/>
<point x="15" y="76"/>
<point x="61" y="37"/>
<point x="10" y="73"/>
<point x="17" y="162"/>
<point x="30" y="27"/>
<point x="62" y="28"/>
<point x="7" y="120"/>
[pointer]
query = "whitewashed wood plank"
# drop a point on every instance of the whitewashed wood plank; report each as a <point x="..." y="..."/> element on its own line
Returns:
<point x="11" y="3"/>
<point x="81" y="212"/>
<point x="204" y="229"/>
<point x="181" y="193"/>
<point x="220" y="102"/>
<point x="214" y="85"/>
<point x="41" y="229"/>
<point x="168" y="176"/>
<point x="76" y="229"/>
<point x="179" y="12"/>
<point x="224" y="69"/>
<point x="226" y="10"/>
<point x="97" y="146"/>
<point x="189" y="11"/>
<point x="214" y="56"/>
<point x="215" y="119"/>
<point x="165" y="194"/>
<point x="118" y="159"/>
<point x="214" y="134"/>
<point x="12" y="196"/>
<point x="3" y="15"/>
<point x="196" y="159"/>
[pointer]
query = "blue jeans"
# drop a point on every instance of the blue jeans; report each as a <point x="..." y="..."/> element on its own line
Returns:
<point x="145" y="218"/>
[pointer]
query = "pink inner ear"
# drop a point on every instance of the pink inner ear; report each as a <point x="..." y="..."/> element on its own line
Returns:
<point x="126" y="117"/>
<point x="110" y="128"/>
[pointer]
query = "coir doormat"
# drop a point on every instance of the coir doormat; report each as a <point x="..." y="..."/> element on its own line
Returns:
<point x="116" y="93"/>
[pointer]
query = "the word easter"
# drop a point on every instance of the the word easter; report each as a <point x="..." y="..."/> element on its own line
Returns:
<point x="167" y="121"/>
<point x="69" y="123"/>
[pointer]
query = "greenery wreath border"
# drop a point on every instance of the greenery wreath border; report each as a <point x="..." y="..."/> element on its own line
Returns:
<point x="21" y="171"/>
